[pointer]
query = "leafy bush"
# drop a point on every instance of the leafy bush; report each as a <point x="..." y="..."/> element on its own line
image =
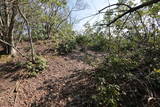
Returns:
<point x="110" y="74"/>
<point x="39" y="65"/>
<point x="136" y="73"/>
<point x="154" y="79"/>
<point x="66" y="47"/>
<point x="82" y="39"/>
<point x="99" y="43"/>
<point x="108" y="95"/>
<point x="84" y="42"/>
<point x="94" y="42"/>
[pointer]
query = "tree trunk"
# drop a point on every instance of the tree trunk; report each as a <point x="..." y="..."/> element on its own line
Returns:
<point x="9" y="50"/>
<point x="29" y="33"/>
<point x="8" y="25"/>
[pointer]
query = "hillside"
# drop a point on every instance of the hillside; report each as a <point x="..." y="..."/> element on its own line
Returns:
<point x="66" y="82"/>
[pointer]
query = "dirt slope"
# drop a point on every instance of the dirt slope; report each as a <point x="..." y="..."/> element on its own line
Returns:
<point x="66" y="83"/>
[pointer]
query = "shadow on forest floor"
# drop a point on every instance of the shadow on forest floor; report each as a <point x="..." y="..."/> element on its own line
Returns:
<point x="88" y="57"/>
<point x="9" y="70"/>
<point x="1" y="50"/>
<point x="70" y="91"/>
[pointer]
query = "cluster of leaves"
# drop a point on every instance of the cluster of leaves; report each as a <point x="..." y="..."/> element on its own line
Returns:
<point x="83" y="41"/>
<point x="108" y="95"/>
<point x="94" y="42"/>
<point x="66" y="47"/>
<point x="100" y="43"/>
<point x="64" y="41"/>
<point x="39" y="65"/>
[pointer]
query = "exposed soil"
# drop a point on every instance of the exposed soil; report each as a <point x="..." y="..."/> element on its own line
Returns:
<point x="67" y="82"/>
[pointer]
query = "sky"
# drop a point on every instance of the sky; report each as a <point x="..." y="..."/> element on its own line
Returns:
<point x="92" y="8"/>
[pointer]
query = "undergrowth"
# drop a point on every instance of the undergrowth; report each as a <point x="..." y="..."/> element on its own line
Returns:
<point x="39" y="65"/>
<point x="129" y="80"/>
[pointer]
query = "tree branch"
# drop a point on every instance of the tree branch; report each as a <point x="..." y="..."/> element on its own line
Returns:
<point x="130" y="10"/>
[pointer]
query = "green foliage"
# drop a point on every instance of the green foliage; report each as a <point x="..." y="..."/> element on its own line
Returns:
<point x="99" y="43"/>
<point x="127" y="75"/>
<point x="38" y="32"/>
<point x="93" y="42"/>
<point x="83" y="41"/>
<point x="57" y="2"/>
<point x="32" y="74"/>
<point x="119" y="64"/>
<point x="131" y="70"/>
<point x="66" y="47"/>
<point x="135" y="72"/>
<point x="108" y="95"/>
<point x="154" y="79"/>
<point x="39" y="65"/>
<point x="133" y="67"/>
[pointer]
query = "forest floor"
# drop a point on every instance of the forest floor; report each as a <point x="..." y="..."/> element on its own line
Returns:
<point x="67" y="82"/>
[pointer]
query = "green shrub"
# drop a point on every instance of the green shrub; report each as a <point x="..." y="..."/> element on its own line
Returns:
<point x="39" y="65"/>
<point x="93" y="42"/>
<point x="84" y="42"/>
<point x="66" y="47"/>
<point x="110" y="75"/>
<point x="133" y="72"/>
<point x="100" y="43"/>
<point x="118" y="64"/>
<point x="154" y="79"/>
<point x="108" y="95"/>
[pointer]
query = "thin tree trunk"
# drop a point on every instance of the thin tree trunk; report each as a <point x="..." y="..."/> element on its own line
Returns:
<point x="29" y="34"/>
